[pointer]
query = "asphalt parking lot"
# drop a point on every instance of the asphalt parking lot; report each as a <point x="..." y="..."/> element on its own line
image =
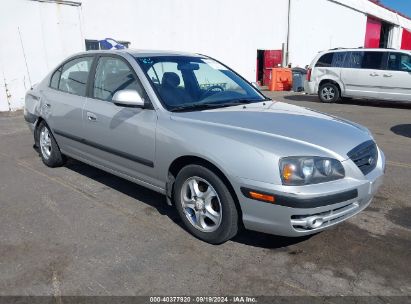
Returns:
<point x="77" y="230"/>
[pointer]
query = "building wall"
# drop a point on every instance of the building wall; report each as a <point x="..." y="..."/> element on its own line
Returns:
<point x="48" y="32"/>
<point x="319" y="25"/>
<point x="229" y="30"/>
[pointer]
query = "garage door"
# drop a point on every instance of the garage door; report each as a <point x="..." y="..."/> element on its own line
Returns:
<point x="373" y="33"/>
<point x="406" y="40"/>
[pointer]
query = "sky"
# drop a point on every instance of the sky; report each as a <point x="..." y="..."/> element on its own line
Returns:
<point x="403" y="6"/>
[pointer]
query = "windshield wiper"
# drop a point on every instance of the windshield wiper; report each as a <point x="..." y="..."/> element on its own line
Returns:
<point x="245" y="100"/>
<point x="215" y="105"/>
<point x="193" y="107"/>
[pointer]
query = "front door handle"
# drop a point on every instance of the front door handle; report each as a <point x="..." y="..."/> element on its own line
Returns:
<point x="387" y="75"/>
<point x="91" y="116"/>
<point x="374" y="74"/>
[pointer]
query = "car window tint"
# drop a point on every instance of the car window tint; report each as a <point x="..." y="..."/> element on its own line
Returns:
<point x="112" y="75"/>
<point x="74" y="76"/>
<point x="55" y="79"/>
<point x="399" y="62"/>
<point x="325" y="60"/>
<point x="372" y="60"/>
<point x="353" y="60"/>
<point x="338" y="59"/>
<point x="207" y="72"/>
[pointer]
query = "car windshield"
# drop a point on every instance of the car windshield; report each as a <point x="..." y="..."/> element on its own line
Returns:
<point x="188" y="82"/>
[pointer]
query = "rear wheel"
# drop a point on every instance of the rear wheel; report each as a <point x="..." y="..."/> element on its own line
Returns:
<point x="329" y="93"/>
<point x="49" y="150"/>
<point x="205" y="205"/>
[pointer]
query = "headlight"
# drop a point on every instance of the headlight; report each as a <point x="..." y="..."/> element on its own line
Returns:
<point x="297" y="171"/>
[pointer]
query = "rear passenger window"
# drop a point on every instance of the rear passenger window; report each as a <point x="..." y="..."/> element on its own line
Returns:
<point x="372" y="60"/>
<point x="338" y="59"/>
<point x="74" y="76"/>
<point x="325" y="60"/>
<point x="353" y="60"/>
<point x="55" y="79"/>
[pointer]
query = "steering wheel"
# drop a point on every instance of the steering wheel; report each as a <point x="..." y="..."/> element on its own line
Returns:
<point x="212" y="88"/>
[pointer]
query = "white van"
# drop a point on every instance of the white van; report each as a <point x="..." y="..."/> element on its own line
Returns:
<point x="363" y="73"/>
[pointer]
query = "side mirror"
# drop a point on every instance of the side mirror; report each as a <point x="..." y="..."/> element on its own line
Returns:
<point x="128" y="98"/>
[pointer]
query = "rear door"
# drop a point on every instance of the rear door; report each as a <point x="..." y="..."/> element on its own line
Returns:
<point x="119" y="138"/>
<point x="362" y="73"/>
<point x="396" y="79"/>
<point x="65" y="100"/>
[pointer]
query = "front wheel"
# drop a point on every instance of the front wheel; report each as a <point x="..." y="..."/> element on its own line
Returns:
<point x="329" y="93"/>
<point x="205" y="205"/>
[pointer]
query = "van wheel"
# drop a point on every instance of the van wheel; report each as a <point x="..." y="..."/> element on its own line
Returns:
<point x="205" y="205"/>
<point x="329" y="93"/>
<point x="49" y="150"/>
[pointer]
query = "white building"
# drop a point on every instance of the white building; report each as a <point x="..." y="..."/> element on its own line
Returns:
<point x="38" y="34"/>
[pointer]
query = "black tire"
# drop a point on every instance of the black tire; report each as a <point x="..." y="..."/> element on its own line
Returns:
<point x="55" y="158"/>
<point x="229" y="225"/>
<point x="329" y="93"/>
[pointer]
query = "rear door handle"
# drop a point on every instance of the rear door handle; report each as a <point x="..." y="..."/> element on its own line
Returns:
<point x="91" y="116"/>
<point x="374" y="74"/>
<point x="387" y="75"/>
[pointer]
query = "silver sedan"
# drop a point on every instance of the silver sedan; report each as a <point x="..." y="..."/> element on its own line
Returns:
<point x="189" y="127"/>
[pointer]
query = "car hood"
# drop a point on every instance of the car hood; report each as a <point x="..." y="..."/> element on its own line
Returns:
<point x="295" y="123"/>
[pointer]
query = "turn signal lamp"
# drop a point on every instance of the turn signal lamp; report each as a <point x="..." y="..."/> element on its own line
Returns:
<point x="288" y="171"/>
<point x="262" y="197"/>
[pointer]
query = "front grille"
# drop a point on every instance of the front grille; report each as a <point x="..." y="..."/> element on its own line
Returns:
<point x="365" y="156"/>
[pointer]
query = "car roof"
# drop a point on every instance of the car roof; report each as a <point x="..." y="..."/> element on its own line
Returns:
<point x="142" y="53"/>
<point x="365" y="49"/>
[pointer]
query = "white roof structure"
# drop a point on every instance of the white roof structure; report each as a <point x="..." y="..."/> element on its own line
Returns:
<point x="377" y="10"/>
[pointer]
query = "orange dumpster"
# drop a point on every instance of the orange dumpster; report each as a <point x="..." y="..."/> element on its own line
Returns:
<point x="281" y="79"/>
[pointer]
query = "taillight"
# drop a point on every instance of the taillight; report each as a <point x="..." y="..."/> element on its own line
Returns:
<point x="309" y="74"/>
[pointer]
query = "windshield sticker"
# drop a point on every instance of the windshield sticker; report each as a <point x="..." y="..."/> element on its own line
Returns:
<point x="214" y="64"/>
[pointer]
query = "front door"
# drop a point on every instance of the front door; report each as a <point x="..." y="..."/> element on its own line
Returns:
<point x="119" y="138"/>
<point x="396" y="80"/>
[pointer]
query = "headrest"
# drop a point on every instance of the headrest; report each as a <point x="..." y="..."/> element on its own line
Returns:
<point x="170" y="79"/>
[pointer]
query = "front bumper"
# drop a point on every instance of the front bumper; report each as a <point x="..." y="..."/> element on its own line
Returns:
<point x="288" y="218"/>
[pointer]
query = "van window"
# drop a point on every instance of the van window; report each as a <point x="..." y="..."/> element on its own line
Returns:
<point x="338" y="59"/>
<point x="399" y="62"/>
<point x="325" y="61"/>
<point x="353" y="60"/>
<point x="372" y="60"/>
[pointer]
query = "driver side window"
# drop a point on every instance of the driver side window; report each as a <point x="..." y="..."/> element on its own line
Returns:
<point x="112" y="75"/>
